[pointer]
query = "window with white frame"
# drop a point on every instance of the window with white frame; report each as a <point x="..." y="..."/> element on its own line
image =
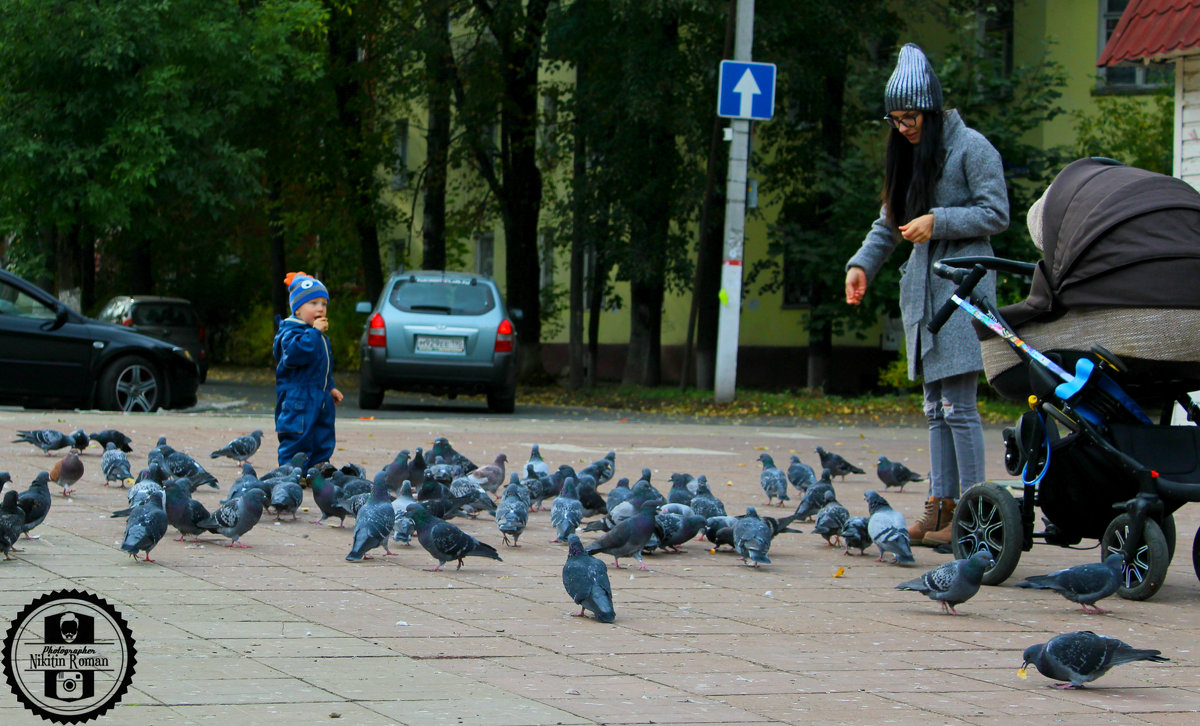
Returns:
<point x="485" y="254"/>
<point x="1127" y="76"/>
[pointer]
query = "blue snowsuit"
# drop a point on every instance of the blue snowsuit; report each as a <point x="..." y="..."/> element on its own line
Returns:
<point x="304" y="409"/>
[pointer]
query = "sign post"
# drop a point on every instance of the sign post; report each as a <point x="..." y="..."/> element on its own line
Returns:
<point x="747" y="91"/>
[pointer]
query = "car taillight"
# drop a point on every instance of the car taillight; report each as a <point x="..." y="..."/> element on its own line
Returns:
<point x="127" y="322"/>
<point x="376" y="332"/>
<point x="202" y="333"/>
<point x="504" y="337"/>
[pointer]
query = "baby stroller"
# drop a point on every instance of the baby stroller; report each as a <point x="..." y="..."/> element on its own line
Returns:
<point x="1109" y="336"/>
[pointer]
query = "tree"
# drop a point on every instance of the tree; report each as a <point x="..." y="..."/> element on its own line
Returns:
<point x="128" y="136"/>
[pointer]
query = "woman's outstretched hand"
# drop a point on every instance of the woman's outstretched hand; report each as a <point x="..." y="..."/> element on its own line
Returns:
<point x="918" y="231"/>
<point x="856" y="285"/>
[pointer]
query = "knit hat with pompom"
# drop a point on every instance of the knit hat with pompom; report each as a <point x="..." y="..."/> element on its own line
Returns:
<point x="303" y="287"/>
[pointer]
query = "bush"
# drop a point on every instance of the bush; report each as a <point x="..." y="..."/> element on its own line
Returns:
<point x="249" y="341"/>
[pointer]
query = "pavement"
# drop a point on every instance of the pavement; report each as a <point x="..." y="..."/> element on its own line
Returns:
<point x="288" y="631"/>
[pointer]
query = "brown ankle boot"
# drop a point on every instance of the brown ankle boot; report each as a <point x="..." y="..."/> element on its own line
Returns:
<point x="941" y="535"/>
<point x="932" y="520"/>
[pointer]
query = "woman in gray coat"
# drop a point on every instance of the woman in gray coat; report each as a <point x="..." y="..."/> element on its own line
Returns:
<point x="944" y="193"/>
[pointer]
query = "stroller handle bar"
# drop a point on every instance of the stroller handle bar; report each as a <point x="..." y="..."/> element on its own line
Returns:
<point x="967" y="272"/>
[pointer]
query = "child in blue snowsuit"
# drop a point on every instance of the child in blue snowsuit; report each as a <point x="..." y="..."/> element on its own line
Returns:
<point x="304" y="393"/>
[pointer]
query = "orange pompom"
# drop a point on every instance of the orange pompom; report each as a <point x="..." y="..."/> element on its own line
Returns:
<point x="287" y="279"/>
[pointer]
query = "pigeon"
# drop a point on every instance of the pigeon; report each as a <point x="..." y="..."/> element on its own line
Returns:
<point x="241" y="448"/>
<point x="691" y="525"/>
<point x="680" y="492"/>
<point x="774" y="482"/>
<point x="752" y="539"/>
<point x="115" y="465"/>
<point x="591" y="500"/>
<point x="602" y="469"/>
<point x="628" y="538"/>
<point x="830" y="520"/>
<point x="67" y="470"/>
<point x="952" y="583"/>
<point x="442" y="472"/>
<point x="705" y="503"/>
<point x="467" y="489"/>
<point x="537" y="463"/>
<point x="855" y="535"/>
<point x="512" y="513"/>
<point x="801" y="475"/>
<point x="619" y="494"/>
<point x="47" y="439"/>
<point x="137" y="494"/>
<point x="1084" y="584"/>
<point x="642" y="491"/>
<point x="836" y="465"/>
<point x="297" y="461"/>
<point x="888" y="529"/>
<point x="566" y="512"/>
<point x="145" y="528"/>
<point x="1081" y="657"/>
<point x="816" y="496"/>
<point x="237" y="516"/>
<point x="373" y="523"/>
<point x="180" y="464"/>
<point x="586" y="581"/>
<point x="895" y="474"/>
<point x="12" y="520"/>
<point x="490" y="476"/>
<point x="399" y="471"/>
<point x="445" y="541"/>
<point x="326" y="495"/>
<point x="719" y="530"/>
<point x="107" y="436"/>
<point x="442" y="448"/>
<point x="286" y="496"/>
<point x="184" y="513"/>
<point x="35" y="502"/>
<point x="403" y="528"/>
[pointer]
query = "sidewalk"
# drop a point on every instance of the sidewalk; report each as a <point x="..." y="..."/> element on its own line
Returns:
<point x="290" y="632"/>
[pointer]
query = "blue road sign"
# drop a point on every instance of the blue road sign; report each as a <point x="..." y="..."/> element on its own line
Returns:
<point x="746" y="90"/>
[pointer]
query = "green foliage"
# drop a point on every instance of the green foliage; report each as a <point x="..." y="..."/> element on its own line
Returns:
<point x="250" y="337"/>
<point x="1136" y="130"/>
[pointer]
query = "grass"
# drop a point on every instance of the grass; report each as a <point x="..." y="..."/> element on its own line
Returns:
<point x="749" y="405"/>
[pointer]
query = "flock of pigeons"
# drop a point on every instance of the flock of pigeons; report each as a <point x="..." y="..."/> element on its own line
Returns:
<point x="420" y="493"/>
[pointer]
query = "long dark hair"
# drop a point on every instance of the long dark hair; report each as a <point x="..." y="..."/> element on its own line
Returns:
<point x="912" y="170"/>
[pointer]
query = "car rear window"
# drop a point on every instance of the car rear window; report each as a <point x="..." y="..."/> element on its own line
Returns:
<point x="446" y="297"/>
<point x="169" y="314"/>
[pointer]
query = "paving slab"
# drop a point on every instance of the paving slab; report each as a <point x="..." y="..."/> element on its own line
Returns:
<point x="288" y="631"/>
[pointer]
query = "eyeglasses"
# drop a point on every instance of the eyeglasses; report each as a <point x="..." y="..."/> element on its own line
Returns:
<point x="906" y="121"/>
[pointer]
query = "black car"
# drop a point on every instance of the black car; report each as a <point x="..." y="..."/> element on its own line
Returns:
<point x="51" y="355"/>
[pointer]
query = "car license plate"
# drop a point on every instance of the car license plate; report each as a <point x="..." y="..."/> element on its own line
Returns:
<point x="440" y="344"/>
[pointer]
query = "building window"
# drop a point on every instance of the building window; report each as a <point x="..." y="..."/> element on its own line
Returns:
<point x="795" y="286"/>
<point x="485" y="254"/>
<point x="546" y="259"/>
<point x="549" y="127"/>
<point x="400" y="146"/>
<point x="1127" y="76"/>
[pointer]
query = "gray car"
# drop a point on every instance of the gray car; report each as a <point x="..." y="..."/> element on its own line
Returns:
<point x="439" y="332"/>
<point x="171" y="319"/>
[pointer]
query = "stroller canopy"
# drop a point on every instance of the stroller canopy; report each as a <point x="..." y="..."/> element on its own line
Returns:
<point x="1114" y="236"/>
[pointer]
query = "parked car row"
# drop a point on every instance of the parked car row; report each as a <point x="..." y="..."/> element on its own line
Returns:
<point x="52" y="355"/>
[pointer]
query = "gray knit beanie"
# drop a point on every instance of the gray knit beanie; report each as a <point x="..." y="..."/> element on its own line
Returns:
<point x="913" y="85"/>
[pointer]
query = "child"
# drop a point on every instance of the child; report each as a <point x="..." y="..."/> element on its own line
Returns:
<point x="304" y="392"/>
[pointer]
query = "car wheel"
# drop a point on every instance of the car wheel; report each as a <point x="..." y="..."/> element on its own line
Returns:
<point x="369" y="400"/>
<point x="504" y="401"/>
<point x="130" y="384"/>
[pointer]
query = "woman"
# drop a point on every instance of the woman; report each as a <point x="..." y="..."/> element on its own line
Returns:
<point x="944" y="193"/>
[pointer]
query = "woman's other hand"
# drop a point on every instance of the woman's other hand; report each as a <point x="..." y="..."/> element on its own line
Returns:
<point x="856" y="285"/>
<point x="918" y="231"/>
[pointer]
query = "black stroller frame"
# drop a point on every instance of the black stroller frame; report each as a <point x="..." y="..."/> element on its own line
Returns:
<point x="1114" y="460"/>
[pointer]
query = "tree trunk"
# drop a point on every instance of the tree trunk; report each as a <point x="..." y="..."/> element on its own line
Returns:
<point x="643" y="364"/>
<point x="598" y="283"/>
<point x="278" y="259"/>
<point x="579" y="202"/>
<point x="820" y="353"/>
<point x="87" y="269"/>
<point x="820" y="334"/>
<point x="439" y="72"/>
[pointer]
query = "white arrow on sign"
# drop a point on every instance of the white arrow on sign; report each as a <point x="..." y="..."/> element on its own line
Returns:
<point x="747" y="88"/>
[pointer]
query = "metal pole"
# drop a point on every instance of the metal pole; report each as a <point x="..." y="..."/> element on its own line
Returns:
<point x="735" y="226"/>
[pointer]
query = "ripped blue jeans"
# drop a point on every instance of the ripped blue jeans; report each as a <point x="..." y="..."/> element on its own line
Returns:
<point x="955" y="434"/>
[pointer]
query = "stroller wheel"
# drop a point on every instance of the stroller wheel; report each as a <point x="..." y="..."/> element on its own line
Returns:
<point x="988" y="516"/>
<point x="1146" y="570"/>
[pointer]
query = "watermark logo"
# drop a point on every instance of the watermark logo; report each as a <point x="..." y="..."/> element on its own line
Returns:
<point x="69" y="656"/>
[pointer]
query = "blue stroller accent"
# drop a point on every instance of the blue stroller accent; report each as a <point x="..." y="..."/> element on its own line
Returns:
<point x="1109" y="334"/>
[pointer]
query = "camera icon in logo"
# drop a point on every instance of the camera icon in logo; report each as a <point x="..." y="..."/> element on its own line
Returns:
<point x="69" y="685"/>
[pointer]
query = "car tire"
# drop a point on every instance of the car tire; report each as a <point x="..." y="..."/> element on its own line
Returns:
<point x="504" y="401"/>
<point x="130" y="383"/>
<point x="369" y="400"/>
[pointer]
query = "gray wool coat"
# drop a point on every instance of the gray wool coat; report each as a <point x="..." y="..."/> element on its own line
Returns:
<point x="970" y="204"/>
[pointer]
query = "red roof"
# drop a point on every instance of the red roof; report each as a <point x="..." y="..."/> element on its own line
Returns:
<point x="1154" y="29"/>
